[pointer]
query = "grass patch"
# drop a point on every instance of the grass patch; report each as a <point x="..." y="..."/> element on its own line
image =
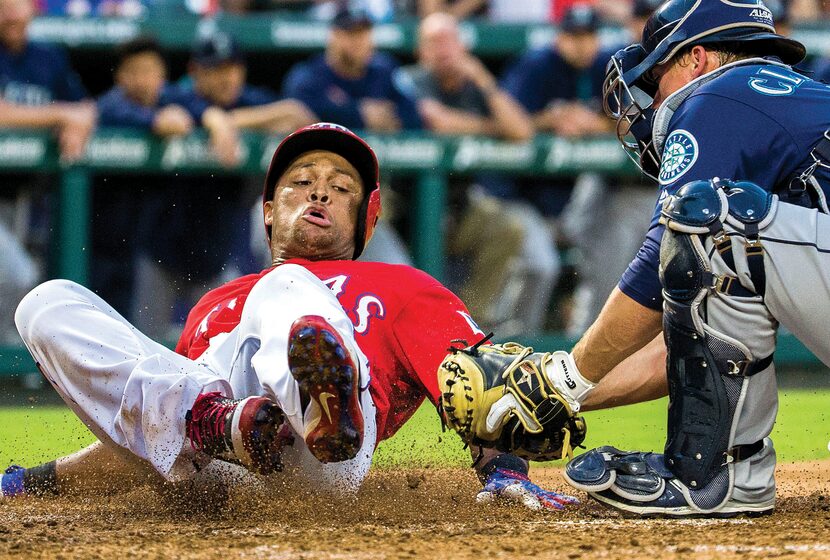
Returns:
<point x="35" y="434"/>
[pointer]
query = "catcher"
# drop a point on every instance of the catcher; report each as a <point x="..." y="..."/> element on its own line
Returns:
<point x="304" y="366"/>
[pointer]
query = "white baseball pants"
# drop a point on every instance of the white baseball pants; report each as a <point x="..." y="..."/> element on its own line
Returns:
<point x="134" y="393"/>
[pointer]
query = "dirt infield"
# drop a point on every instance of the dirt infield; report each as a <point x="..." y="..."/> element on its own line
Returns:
<point x="404" y="514"/>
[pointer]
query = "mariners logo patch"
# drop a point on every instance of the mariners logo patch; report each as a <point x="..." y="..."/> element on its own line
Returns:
<point x="679" y="155"/>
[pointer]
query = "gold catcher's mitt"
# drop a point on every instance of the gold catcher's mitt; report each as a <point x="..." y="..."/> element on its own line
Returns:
<point x="499" y="396"/>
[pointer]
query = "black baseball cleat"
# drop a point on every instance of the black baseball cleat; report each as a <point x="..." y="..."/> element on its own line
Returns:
<point x="250" y="432"/>
<point x="329" y="382"/>
<point x="641" y="484"/>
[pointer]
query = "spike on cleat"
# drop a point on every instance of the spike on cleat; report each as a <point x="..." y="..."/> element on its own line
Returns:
<point x="327" y="375"/>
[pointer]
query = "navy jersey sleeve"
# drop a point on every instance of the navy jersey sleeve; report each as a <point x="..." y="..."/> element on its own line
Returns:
<point x="524" y="81"/>
<point x="253" y="96"/>
<point x="640" y="281"/>
<point x="710" y="136"/>
<point x="188" y="100"/>
<point x="314" y="88"/>
<point x="114" y="109"/>
<point x="68" y="85"/>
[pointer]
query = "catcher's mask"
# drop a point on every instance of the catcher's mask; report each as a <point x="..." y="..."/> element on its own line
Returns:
<point x="629" y="86"/>
<point x="341" y="141"/>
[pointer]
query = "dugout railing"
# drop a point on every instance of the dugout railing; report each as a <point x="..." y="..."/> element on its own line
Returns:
<point x="279" y="32"/>
<point x="429" y="159"/>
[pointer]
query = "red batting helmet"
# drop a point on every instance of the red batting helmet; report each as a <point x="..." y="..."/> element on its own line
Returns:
<point x="342" y="141"/>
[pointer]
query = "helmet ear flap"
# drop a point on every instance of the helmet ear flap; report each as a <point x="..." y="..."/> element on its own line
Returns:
<point x="373" y="208"/>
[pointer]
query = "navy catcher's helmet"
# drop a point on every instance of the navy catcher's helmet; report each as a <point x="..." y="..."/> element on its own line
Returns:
<point x="341" y="141"/>
<point x="628" y="89"/>
<point x="681" y="23"/>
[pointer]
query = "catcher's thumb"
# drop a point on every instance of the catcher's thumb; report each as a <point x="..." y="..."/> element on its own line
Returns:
<point x="504" y="406"/>
<point x="562" y="372"/>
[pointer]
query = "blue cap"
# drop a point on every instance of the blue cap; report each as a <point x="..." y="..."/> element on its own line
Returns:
<point x="351" y="15"/>
<point x="580" y="18"/>
<point x="215" y="49"/>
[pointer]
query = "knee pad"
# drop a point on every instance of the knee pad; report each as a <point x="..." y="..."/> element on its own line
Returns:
<point x="707" y="369"/>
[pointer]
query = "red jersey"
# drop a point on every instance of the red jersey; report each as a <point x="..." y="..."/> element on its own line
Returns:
<point x="404" y="321"/>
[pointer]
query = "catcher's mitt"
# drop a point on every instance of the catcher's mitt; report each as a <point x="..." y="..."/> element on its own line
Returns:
<point x="499" y="396"/>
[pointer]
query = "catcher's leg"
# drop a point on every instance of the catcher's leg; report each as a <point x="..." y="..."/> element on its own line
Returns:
<point x="130" y="391"/>
<point x="723" y="400"/>
<point x="797" y="245"/>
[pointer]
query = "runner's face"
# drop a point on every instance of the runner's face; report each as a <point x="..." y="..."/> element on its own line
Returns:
<point x="313" y="213"/>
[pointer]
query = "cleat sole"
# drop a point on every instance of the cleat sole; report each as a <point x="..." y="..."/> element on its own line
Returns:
<point x="326" y="374"/>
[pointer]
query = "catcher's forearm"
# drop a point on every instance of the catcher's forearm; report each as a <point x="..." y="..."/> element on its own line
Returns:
<point x="623" y="327"/>
<point x="639" y="378"/>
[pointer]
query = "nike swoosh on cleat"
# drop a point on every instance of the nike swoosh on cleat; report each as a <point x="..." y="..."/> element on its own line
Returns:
<point x="324" y="403"/>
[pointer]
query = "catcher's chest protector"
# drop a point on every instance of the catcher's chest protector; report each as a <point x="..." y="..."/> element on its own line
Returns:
<point x="711" y="269"/>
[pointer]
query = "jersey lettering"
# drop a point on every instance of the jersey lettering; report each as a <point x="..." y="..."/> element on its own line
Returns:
<point x="776" y="82"/>
<point x="337" y="284"/>
<point x="367" y="306"/>
<point x="471" y="322"/>
<point x="26" y="94"/>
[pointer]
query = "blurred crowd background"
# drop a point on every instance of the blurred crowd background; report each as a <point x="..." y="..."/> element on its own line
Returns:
<point x="526" y="253"/>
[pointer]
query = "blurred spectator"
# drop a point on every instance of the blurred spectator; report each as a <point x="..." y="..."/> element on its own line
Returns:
<point x="217" y="95"/>
<point x="455" y="92"/>
<point x="605" y="217"/>
<point x="809" y="10"/>
<point x="141" y="99"/>
<point x="821" y="69"/>
<point x="36" y="75"/>
<point x="378" y="10"/>
<point x="561" y="86"/>
<point x="502" y="243"/>
<point x="350" y="84"/>
<point x="780" y="15"/>
<point x="38" y="89"/>
<point x="190" y="228"/>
